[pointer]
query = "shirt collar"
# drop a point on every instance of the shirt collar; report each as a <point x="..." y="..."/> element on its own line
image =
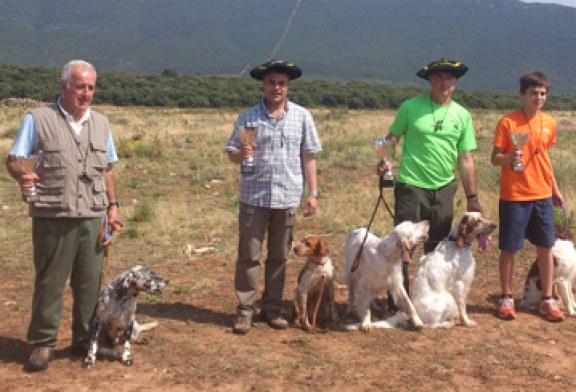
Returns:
<point x="265" y="110"/>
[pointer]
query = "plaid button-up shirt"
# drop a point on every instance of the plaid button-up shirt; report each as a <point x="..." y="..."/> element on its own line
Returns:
<point x="278" y="178"/>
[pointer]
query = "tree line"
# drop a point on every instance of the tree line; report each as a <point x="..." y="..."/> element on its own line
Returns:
<point x="172" y="89"/>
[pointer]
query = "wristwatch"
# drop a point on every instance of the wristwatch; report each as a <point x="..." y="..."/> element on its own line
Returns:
<point x="314" y="194"/>
<point x="113" y="203"/>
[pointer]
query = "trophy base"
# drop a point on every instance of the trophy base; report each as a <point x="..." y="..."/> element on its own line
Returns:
<point x="386" y="182"/>
<point x="247" y="169"/>
<point x="29" y="196"/>
<point x="518" y="167"/>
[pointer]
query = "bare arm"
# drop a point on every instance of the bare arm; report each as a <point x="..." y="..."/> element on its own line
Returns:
<point x="113" y="212"/>
<point x="467" y="170"/>
<point x="498" y="158"/>
<point x="309" y="160"/>
<point x="557" y="196"/>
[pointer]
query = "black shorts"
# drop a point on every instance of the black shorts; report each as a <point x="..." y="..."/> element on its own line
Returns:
<point x="436" y="206"/>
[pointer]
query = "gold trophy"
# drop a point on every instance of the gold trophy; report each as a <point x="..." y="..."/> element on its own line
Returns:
<point x="519" y="139"/>
<point x="27" y="165"/>
<point x="384" y="149"/>
<point x="248" y="134"/>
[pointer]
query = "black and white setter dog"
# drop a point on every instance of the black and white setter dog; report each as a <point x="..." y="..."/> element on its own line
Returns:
<point x="114" y="320"/>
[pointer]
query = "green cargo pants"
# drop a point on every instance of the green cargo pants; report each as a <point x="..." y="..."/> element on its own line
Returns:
<point x="63" y="247"/>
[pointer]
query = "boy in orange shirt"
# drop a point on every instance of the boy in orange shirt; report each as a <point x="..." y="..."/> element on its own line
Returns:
<point x="528" y="191"/>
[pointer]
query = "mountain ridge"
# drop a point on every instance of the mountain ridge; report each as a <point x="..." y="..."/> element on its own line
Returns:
<point x="373" y="40"/>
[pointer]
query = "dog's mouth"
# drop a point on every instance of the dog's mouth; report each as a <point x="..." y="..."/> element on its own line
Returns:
<point x="483" y="241"/>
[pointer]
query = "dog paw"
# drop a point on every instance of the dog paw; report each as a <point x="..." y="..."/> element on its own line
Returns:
<point x="87" y="364"/>
<point x="416" y="324"/>
<point x="366" y="327"/>
<point x="469" y="323"/>
<point x="127" y="362"/>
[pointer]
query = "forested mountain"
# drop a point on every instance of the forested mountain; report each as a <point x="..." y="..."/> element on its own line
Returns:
<point x="372" y="40"/>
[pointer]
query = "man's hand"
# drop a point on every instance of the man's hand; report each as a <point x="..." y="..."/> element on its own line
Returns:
<point x="311" y="206"/>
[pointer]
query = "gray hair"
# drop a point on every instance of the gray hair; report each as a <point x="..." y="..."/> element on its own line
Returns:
<point x="67" y="69"/>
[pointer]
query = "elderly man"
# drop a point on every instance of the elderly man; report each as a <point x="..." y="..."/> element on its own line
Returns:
<point x="438" y="136"/>
<point x="74" y="189"/>
<point x="270" y="190"/>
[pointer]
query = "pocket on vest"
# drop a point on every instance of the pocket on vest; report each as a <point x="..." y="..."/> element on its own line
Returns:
<point x="98" y="158"/>
<point x="51" y="193"/>
<point x="99" y="198"/>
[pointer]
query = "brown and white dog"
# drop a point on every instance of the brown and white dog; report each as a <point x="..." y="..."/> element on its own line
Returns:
<point x="315" y="291"/>
<point x="444" y="276"/>
<point x="564" y="274"/>
<point x="380" y="269"/>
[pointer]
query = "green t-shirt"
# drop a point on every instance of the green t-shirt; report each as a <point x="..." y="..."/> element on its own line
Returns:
<point x="430" y="152"/>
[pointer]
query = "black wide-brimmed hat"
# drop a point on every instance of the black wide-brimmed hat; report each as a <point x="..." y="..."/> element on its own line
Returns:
<point x="286" y="67"/>
<point x="456" y="68"/>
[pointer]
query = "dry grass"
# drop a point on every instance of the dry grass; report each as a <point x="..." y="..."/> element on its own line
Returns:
<point x="180" y="192"/>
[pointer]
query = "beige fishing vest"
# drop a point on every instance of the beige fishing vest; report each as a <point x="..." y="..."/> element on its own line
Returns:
<point x="71" y="168"/>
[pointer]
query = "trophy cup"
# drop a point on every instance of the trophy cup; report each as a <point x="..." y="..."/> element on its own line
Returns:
<point x="384" y="149"/>
<point x="27" y="165"/>
<point x="248" y="135"/>
<point x="519" y="140"/>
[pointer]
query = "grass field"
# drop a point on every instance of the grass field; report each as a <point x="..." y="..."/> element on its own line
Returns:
<point x="179" y="199"/>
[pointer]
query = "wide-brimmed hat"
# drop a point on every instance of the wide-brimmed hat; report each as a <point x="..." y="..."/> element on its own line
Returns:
<point x="286" y="67"/>
<point x="456" y="68"/>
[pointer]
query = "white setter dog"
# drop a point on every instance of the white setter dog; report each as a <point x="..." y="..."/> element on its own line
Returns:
<point x="564" y="274"/>
<point x="380" y="269"/>
<point x="444" y="276"/>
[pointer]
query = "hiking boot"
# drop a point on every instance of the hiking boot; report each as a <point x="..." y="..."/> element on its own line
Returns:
<point x="506" y="309"/>
<point x="276" y="321"/>
<point x="549" y="309"/>
<point x="242" y="324"/>
<point x="39" y="358"/>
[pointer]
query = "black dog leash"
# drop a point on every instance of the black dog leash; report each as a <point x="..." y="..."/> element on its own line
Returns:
<point x="382" y="184"/>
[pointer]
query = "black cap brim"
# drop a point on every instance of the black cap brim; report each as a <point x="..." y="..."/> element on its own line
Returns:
<point x="285" y="67"/>
<point x="456" y="68"/>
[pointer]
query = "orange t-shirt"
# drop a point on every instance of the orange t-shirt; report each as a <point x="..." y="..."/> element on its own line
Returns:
<point x="535" y="182"/>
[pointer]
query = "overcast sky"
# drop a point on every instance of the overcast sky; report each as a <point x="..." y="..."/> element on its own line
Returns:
<point x="570" y="3"/>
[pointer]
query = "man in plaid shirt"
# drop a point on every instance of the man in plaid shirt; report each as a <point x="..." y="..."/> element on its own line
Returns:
<point x="284" y="157"/>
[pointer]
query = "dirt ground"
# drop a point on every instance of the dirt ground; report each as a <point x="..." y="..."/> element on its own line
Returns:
<point x="194" y="349"/>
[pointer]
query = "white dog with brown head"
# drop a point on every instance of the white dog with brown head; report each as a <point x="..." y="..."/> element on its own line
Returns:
<point x="379" y="268"/>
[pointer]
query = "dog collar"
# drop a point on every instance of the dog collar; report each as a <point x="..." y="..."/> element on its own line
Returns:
<point x="453" y="239"/>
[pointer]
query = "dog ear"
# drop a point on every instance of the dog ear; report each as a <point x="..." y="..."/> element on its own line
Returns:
<point x="128" y="280"/>
<point x="463" y="230"/>
<point x="405" y="251"/>
<point x="563" y="232"/>
<point x="322" y="248"/>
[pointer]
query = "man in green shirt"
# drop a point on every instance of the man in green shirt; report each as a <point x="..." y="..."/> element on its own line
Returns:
<point x="438" y="136"/>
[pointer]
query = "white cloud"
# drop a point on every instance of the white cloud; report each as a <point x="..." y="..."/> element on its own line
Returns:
<point x="569" y="3"/>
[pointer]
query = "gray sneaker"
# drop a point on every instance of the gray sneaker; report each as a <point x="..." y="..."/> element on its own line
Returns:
<point x="276" y="321"/>
<point x="242" y="324"/>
